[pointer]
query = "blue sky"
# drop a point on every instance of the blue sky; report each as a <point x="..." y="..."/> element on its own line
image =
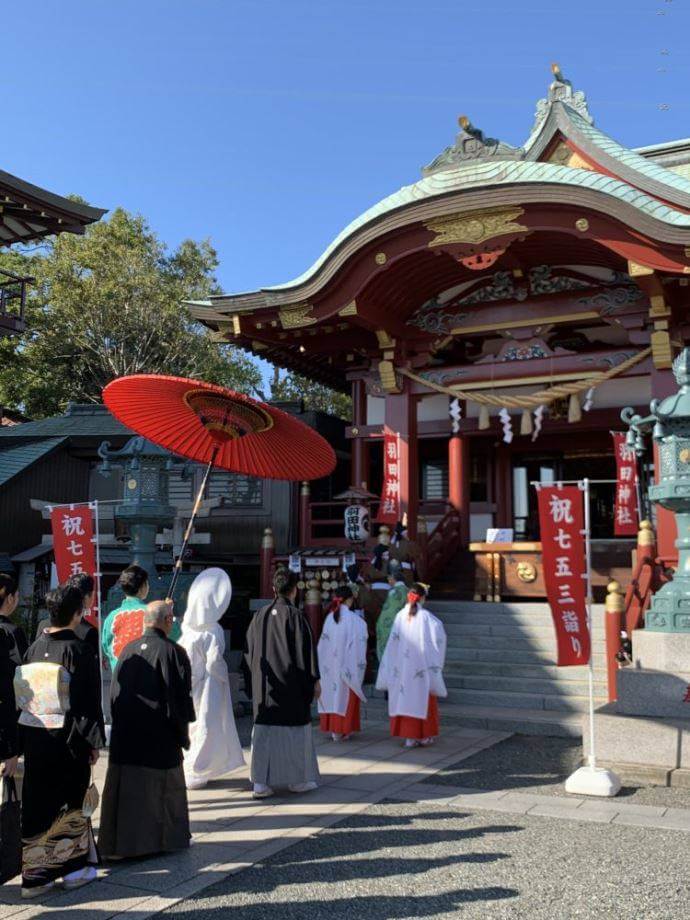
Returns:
<point x="267" y="125"/>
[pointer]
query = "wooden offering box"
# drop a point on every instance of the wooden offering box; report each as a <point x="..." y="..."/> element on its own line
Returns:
<point x="507" y="570"/>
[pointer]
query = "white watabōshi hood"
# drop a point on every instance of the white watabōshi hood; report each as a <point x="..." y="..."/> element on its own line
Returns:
<point x="208" y="599"/>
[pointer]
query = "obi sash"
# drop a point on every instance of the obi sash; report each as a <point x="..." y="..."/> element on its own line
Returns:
<point x="41" y="690"/>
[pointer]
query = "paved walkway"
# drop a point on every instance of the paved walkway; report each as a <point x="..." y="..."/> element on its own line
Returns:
<point x="233" y="832"/>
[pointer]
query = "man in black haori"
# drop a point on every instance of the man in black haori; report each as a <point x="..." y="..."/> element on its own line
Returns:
<point x="61" y="731"/>
<point x="281" y="654"/>
<point x="12" y="650"/>
<point x="145" y="799"/>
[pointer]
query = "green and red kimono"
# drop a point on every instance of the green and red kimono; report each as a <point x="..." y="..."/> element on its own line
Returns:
<point x="123" y="625"/>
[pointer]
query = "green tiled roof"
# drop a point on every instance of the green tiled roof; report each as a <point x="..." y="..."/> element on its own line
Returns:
<point x="79" y="421"/>
<point x="633" y="160"/>
<point x="482" y="174"/>
<point x="16" y="458"/>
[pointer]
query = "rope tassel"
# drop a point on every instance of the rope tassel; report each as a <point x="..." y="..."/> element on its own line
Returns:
<point x="574" y="408"/>
<point x="526" y="422"/>
<point x="484" y="419"/>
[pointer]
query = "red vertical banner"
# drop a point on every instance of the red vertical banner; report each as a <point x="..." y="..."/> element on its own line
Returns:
<point x="389" y="510"/>
<point x="625" y="510"/>
<point x="74" y="546"/>
<point x="561" y="523"/>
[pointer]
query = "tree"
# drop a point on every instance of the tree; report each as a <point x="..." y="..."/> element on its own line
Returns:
<point x="315" y="395"/>
<point x="110" y="303"/>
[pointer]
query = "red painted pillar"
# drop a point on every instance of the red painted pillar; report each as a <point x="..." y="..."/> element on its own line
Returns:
<point x="459" y="482"/>
<point x="360" y="447"/>
<point x="266" y="563"/>
<point x="401" y="419"/>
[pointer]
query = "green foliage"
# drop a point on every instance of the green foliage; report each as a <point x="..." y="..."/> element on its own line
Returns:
<point x="315" y="395"/>
<point x="109" y="303"/>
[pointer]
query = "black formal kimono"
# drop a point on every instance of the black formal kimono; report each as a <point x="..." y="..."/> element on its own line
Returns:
<point x="144" y="806"/>
<point x="57" y="836"/>
<point x="18" y="636"/>
<point x="8" y="708"/>
<point x="281" y="654"/>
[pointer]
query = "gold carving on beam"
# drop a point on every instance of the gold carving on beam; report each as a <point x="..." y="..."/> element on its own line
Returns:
<point x="258" y="346"/>
<point x="635" y="270"/>
<point x="661" y="349"/>
<point x="686" y="251"/>
<point x="475" y="226"/>
<point x="380" y="258"/>
<point x="236" y="325"/>
<point x="349" y="310"/>
<point x="384" y="339"/>
<point x="658" y="306"/>
<point x="387" y="375"/>
<point x="582" y="224"/>
<point x="296" y="316"/>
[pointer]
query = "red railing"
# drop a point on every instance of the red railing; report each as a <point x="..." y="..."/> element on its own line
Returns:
<point x="649" y="573"/>
<point x="442" y="545"/>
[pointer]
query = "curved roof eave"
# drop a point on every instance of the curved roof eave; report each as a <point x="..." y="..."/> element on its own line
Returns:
<point x="473" y="176"/>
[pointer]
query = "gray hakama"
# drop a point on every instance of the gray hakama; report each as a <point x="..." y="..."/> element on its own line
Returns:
<point x="283" y="755"/>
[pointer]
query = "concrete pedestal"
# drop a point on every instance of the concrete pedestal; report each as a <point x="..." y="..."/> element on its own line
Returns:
<point x="645" y="734"/>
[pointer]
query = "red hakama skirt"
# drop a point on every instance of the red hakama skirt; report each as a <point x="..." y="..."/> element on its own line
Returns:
<point x="417" y="729"/>
<point x="342" y="725"/>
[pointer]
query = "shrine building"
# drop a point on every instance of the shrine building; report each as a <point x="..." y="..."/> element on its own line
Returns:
<point x="495" y="315"/>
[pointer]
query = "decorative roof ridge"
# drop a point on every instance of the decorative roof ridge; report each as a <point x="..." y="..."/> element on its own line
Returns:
<point x="560" y="91"/>
<point x="472" y="144"/>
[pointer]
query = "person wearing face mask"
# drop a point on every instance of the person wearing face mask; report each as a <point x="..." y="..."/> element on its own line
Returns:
<point x="215" y="745"/>
<point x="342" y="653"/>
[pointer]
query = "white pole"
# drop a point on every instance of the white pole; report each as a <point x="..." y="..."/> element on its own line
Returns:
<point x="99" y="600"/>
<point x="588" y="605"/>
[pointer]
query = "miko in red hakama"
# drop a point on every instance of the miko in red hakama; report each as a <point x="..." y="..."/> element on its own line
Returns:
<point x="411" y="671"/>
<point x="342" y="654"/>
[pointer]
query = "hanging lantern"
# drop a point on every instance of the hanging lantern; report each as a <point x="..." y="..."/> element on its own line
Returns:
<point x="356" y="523"/>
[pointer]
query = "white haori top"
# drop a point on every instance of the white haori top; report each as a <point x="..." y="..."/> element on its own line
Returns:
<point x="412" y="665"/>
<point x="215" y="746"/>
<point x="342" y="652"/>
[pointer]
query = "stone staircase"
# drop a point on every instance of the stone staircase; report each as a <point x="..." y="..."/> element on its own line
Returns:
<point x="500" y="669"/>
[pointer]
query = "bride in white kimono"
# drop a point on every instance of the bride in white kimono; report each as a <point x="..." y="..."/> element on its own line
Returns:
<point x="215" y="746"/>
<point x="411" y="671"/>
<point x="342" y="652"/>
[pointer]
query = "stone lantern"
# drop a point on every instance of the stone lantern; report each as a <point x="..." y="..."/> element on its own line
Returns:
<point x="669" y="422"/>
<point x="145" y="508"/>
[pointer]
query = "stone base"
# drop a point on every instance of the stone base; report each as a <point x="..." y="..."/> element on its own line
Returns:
<point x="639" y="774"/>
<point x="638" y="740"/>
<point x="661" y="651"/>
<point x="643" y="692"/>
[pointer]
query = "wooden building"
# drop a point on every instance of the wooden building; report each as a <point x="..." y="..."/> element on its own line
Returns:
<point x="56" y="460"/>
<point x="496" y="315"/>
<point x="29" y="213"/>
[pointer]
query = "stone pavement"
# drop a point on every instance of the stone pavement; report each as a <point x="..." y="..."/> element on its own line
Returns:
<point x="232" y="832"/>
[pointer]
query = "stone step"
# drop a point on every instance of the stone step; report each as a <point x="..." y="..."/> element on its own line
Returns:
<point x="541" y="686"/>
<point x="496" y="620"/>
<point x="514" y="700"/>
<point x="498" y="609"/>
<point x="533" y="631"/>
<point x="508" y="654"/>
<point x="546" y="645"/>
<point x="538" y="671"/>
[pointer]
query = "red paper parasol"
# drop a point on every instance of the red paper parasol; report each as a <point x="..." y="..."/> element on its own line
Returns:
<point x="208" y="424"/>
<point x="218" y="427"/>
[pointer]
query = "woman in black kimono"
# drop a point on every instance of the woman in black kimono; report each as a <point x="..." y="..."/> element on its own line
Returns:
<point x="61" y="729"/>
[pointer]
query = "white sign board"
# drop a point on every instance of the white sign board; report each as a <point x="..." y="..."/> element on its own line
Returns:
<point x="499" y="535"/>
